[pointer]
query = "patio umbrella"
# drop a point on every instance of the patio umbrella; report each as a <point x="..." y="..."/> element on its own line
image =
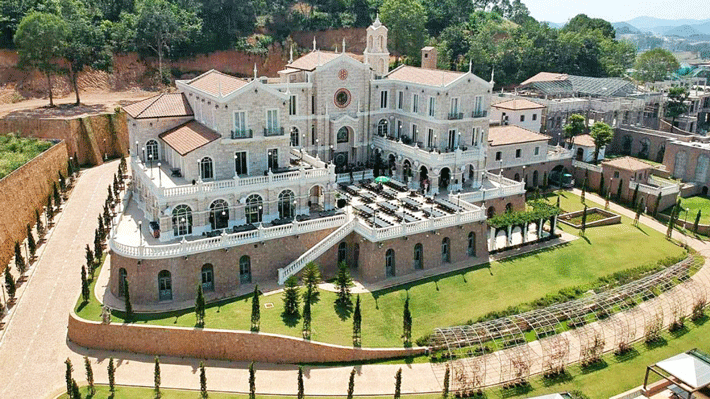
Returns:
<point x="382" y="179"/>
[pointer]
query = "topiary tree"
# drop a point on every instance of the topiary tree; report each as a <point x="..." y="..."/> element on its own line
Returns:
<point x="252" y="381"/>
<point x="351" y="384"/>
<point x="658" y="204"/>
<point x="398" y="384"/>
<point x="56" y="196"/>
<point x="90" y="261"/>
<point x="84" y="286"/>
<point x="10" y="283"/>
<point x="39" y="225"/>
<point x="98" y="246"/>
<point x="301" y="393"/>
<point x="601" y="185"/>
<point x="200" y="307"/>
<point x="62" y="182"/>
<point x="91" y="390"/>
<point x="111" y="376"/>
<point x="618" y="190"/>
<point x="49" y="210"/>
<point x="697" y="222"/>
<point x="357" y="324"/>
<point x="127" y="300"/>
<point x="31" y="243"/>
<point x="255" y="310"/>
<point x="307" y="315"/>
<point x="290" y="297"/>
<point x="19" y="259"/>
<point x="68" y="377"/>
<point x="639" y="211"/>
<point x="407" y="322"/>
<point x="584" y="189"/>
<point x="156" y="378"/>
<point x="671" y="221"/>
<point x="203" y="381"/>
<point x="343" y="282"/>
<point x="635" y="195"/>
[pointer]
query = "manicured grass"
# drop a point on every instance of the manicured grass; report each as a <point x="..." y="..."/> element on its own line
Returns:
<point x="693" y="204"/>
<point x="446" y="300"/>
<point x="17" y="151"/>
<point x="612" y="376"/>
<point x="591" y="217"/>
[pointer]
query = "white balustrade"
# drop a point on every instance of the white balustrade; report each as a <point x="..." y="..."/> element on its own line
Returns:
<point x="433" y="158"/>
<point x="588" y="166"/>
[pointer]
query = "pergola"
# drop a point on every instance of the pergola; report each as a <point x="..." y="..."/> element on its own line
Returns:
<point x="688" y="372"/>
<point x="508" y="349"/>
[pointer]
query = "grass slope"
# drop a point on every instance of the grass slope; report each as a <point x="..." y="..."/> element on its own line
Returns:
<point x="693" y="204"/>
<point x="17" y="151"/>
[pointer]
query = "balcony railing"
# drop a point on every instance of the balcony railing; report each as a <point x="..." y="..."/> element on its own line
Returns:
<point x="429" y="157"/>
<point x="273" y="131"/>
<point x="242" y="134"/>
<point x="481" y="113"/>
<point x="455" y="115"/>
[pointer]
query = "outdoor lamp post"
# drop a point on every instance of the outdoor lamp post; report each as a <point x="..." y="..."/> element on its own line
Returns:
<point x="436" y="145"/>
<point x="160" y="177"/>
<point x="293" y="210"/>
<point x="685" y="222"/>
<point x="143" y="153"/>
<point x="105" y="154"/>
<point x="136" y="148"/>
<point x="182" y="224"/>
<point x="270" y="161"/>
<point x="317" y="147"/>
<point x="140" y="232"/>
<point x="525" y="182"/>
<point x="150" y="160"/>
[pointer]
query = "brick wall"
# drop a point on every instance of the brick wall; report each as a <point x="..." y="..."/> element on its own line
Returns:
<point x="23" y="191"/>
<point x="218" y="344"/>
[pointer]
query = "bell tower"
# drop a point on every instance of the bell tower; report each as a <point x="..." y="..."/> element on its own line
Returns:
<point x="376" y="53"/>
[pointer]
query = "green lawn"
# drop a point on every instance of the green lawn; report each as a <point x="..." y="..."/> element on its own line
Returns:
<point x="693" y="204"/>
<point x="17" y="151"/>
<point x="615" y="375"/>
<point x="447" y="300"/>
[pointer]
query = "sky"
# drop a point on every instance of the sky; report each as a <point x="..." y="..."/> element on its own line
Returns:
<point x="617" y="10"/>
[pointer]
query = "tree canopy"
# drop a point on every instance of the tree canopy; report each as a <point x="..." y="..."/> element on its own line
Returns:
<point x="676" y="106"/>
<point x="406" y="20"/>
<point x="655" y="65"/>
<point x="602" y="134"/>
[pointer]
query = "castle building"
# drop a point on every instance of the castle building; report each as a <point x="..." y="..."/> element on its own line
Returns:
<point x="244" y="181"/>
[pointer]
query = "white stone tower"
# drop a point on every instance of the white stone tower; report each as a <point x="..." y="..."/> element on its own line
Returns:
<point x="376" y="53"/>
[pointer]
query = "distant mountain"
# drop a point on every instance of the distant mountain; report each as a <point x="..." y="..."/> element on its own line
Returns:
<point x="649" y="23"/>
<point x="554" y="24"/>
<point x="703" y="28"/>
<point x="682" y="31"/>
<point x="623" y="28"/>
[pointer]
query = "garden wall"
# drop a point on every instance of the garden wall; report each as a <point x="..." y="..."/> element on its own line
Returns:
<point x="218" y="344"/>
<point x="612" y="218"/>
<point x="23" y="191"/>
<point x="703" y="229"/>
<point x="89" y="137"/>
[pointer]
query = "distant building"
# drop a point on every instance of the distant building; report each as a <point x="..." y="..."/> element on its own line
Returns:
<point x="519" y="112"/>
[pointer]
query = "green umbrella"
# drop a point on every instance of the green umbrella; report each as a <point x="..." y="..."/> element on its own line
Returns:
<point x="382" y="179"/>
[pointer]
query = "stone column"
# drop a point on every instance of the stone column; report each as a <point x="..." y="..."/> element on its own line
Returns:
<point x="492" y="238"/>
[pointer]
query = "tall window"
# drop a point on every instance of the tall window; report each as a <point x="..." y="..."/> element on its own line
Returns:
<point x="273" y="158"/>
<point x="343" y="135"/>
<point x="182" y="220"/>
<point x="399" y="129"/>
<point x="389" y="263"/>
<point x="478" y="105"/>
<point x="240" y="124"/>
<point x="518" y="153"/>
<point x="537" y="150"/>
<point x="206" y="168"/>
<point x="207" y="277"/>
<point x="432" y="106"/>
<point x="471" y="244"/>
<point x="383" y="99"/>
<point x="122" y="278"/>
<point x="499" y="155"/>
<point x="415" y="103"/>
<point x="287" y="204"/>
<point x="313" y="134"/>
<point x="400" y="99"/>
<point x="342" y="252"/>
<point x="418" y="257"/>
<point x="253" y="209"/>
<point x="294" y="137"/>
<point x="382" y="127"/>
<point x="313" y="104"/>
<point x="151" y="150"/>
<point x="240" y="163"/>
<point x="272" y="120"/>
<point x="165" y="286"/>
<point x="292" y="106"/>
<point x="445" y="250"/>
<point x="452" y="139"/>
<point x="522" y="118"/>
<point x="454" y="106"/>
<point x="219" y="214"/>
<point x="414" y="133"/>
<point x="474" y="136"/>
<point x="244" y="270"/>
<point x="430" y="138"/>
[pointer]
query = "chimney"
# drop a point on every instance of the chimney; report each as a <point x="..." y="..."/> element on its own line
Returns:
<point x="429" y="56"/>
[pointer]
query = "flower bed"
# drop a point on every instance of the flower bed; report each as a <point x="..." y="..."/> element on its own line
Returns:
<point x="595" y="217"/>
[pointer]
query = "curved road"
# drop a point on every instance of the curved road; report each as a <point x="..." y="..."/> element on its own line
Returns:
<point x="34" y="344"/>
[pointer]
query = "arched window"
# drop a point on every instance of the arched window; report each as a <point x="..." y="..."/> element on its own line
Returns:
<point x="517" y="177"/>
<point x="343" y="135"/>
<point x="471" y="244"/>
<point x="389" y="263"/>
<point x="490" y="212"/>
<point x="287" y="204"/>
<point x="342" y="252"/>
<point x="206" y="168"/>
<point x="182" y="220"/>
<point x="382" y="128"/>
<point x="445" y="250"/>
<point x="294" y="137"/>
<point x="626" y="144"/>
<point x="701" y="168"/>
<point x="369" y="44"/>
<point x="535" y="178"/>
<point x="207" y="277"/>
<point x="418" y="257"/>
<point x="645" y="148"/>
<point x="219" y="214"/>
<point x="254" y="209"/>
<point x="244" y="270"/>
<point x="122" y="277"/>
<point x="681" y="160"/>
<point x="165" y="286"/>
<point x="151" y="151"/>
<point x="380" y="43"/>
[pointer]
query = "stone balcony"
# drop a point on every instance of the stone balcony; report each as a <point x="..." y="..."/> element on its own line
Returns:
<point x="433" y="158"/>
<point x="492" y="186"/>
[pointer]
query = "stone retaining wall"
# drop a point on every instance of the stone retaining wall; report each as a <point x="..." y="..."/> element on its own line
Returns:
<point x="218" y="344"/>
<point x="703" y="229"/>
<point x="23" y="191"/>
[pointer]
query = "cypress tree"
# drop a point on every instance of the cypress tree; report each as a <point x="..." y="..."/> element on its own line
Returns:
<point x="101" y="230"/>
<point x="255" y="310"/>
<point x="115" y="185"/>
<point x="445" y="391"/>
<point x="98" y="247"/>
<point x="109" y="198"/>
<point x="31" y="243"/>
<point x="301" y="394"/>
<point x="357" y="323"/>
<point x="290" y="297"/>
<point x="75" y="394"/>
<point x="343" y="281"/>
<point x="398" y="384"/>
<point x="307" y="315"/>
<point x="658" y="204"/>
<point x="156" y="378"/>
<point x="618" y="190"/>
<point x="62" y="182"/>
<point x="57" y="197"/>
<point x="39" y="225"/>
<point x="127" y="300"/>
<point x="49" y="210"/>
<point x="635" y="195"/>
<point x="601" y="185"/>
<point x="200" y="307"/>
<point x="89" y="376"/>
<point x="111" y="376"/>
<point x="584" y="219"/>
<point x="351" y="384"/>
<point x="697" y="222"/>
<point x="671" y="221"/>
<point x="252" y="381"/>
<point x="70" y="168"/>
<point x="558" y="201"/>
<point x="90" y="259"/>
<point x="584" y="189"/>
<point x="203" y="381"/>
<point x="311" y="277"/>
<point x="639" y="211"/>
<point x="19" y="259"/>
<point x="544" y="180"/>
<point x="84" y="285"/>
<point x="406" y="322"/>
<point x="67" y="376"/>
<point x="9" y="283"/>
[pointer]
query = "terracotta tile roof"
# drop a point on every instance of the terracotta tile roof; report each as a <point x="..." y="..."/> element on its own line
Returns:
<point x="216" y="83"/>
<point x="584" y="140"/>
<point x="162" y="105"/>
<point x="545" y="77"/>
<point x="510" y="134"/>
<point x="627" y="163"/>
<point x="429" y="77"/>
<point x="518" y="104"/>
<point x="313" y="59"/>
<point x="188" y="137"/>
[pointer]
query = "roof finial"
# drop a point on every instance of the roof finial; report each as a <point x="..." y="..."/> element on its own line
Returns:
<point x="255" y="71"/>
<point x="343" y="45"/>
<point x="377" y="22"/>
<point x="290" y="56"/>
<point x="314" y="43"/>
<point x="336" y="48"/>
<point x="493" y="74"/>
<point x="470" y="65"/>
